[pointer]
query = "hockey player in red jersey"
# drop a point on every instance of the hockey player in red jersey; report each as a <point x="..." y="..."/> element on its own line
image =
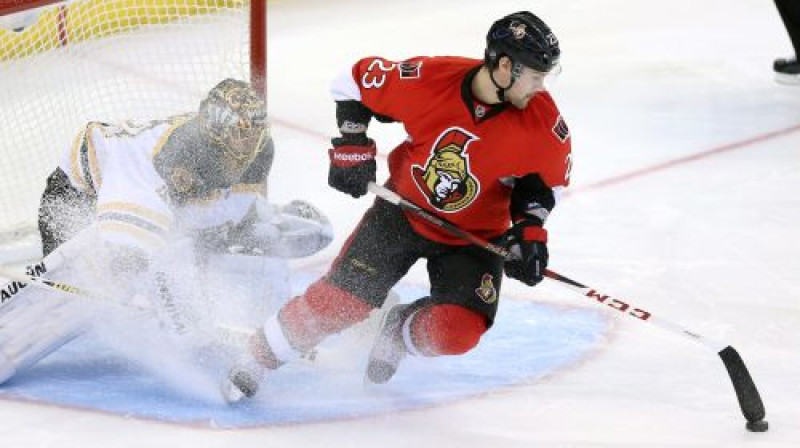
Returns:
<point x="487" y="149"/>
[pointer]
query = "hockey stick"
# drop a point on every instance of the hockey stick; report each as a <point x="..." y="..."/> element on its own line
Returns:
<point x="25" y="279"/>
<point x="19" y="281"/>
<point x="750" y="402"/>
<point x="178" y="325"/>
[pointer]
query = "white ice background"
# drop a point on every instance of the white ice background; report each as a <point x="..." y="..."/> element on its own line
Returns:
<point x="684" y="201"/>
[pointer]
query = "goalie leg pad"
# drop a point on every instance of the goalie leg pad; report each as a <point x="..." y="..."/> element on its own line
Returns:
<point x="35" y="325"/>
<point x="7" y="368"/>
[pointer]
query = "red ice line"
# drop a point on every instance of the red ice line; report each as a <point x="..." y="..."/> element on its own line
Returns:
<point x="641" y="172"/>
<point x="611" y="181"/>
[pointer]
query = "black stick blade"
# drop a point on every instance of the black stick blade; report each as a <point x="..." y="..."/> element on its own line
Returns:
<point x="746" y="392"/>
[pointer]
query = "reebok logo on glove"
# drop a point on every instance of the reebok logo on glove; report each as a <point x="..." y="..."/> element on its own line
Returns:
<point x="353" y="164"/>
<point x="339" y="157"/>
<point x="348" y="156"/>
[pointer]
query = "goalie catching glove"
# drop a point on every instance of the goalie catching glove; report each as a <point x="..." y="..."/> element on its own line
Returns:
<point x="297" y="229"/>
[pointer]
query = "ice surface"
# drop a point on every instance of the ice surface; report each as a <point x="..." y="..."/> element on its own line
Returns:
<point x="141" y="376"/>
<point x="709" y="242"/>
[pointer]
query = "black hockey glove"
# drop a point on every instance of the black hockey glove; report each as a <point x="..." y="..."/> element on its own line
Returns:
<point x="352" y="164"/>
<point x="527" y="241"/>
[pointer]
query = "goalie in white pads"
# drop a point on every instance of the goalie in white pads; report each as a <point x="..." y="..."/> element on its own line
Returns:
<point x="124" y="194"/>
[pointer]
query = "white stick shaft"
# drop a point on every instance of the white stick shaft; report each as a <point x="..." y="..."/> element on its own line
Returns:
<point x="46" y="284"/>
<point x="384" y="193"/>
<point x="640" y="314"/>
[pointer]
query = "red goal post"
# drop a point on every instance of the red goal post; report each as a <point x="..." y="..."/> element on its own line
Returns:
<point x="64" y="63"/>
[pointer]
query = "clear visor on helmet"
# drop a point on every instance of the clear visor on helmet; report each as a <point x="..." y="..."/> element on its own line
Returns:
<point x="539" y="80"/>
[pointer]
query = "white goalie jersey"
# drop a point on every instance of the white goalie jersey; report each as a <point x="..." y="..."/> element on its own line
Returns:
<point x="115" y="163"/>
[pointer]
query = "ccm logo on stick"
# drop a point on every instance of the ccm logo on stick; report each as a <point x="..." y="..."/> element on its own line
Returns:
<point x="618" y="305"/>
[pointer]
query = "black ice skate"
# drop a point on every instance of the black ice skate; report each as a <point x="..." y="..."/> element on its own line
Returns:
<point x="389" y="348"/>
<point x="245" y="377"/>
<point x="242" y="382"/>
<point x="787" y="71"/>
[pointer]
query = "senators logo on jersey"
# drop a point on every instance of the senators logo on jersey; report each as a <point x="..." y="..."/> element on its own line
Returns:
<point x="446" y="180"/>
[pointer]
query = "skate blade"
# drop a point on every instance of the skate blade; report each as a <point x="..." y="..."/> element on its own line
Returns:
<point x="392" y="299"/>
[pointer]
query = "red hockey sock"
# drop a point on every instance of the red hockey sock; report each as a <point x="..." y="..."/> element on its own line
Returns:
<point x="324" y="309"/>
<point x="446" y="330"/>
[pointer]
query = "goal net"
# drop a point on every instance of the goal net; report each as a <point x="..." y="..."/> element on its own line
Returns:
<point x="63" y="64"/>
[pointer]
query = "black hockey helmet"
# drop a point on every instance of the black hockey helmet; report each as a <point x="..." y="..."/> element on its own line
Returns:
<point x="525" y="39"/>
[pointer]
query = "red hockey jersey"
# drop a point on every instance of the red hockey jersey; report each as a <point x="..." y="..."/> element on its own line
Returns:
<point x="461" y="156"/>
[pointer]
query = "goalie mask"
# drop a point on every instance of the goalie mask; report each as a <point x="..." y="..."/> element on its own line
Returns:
<point x="216" y="147"/>
<point x="234" y="118"/>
